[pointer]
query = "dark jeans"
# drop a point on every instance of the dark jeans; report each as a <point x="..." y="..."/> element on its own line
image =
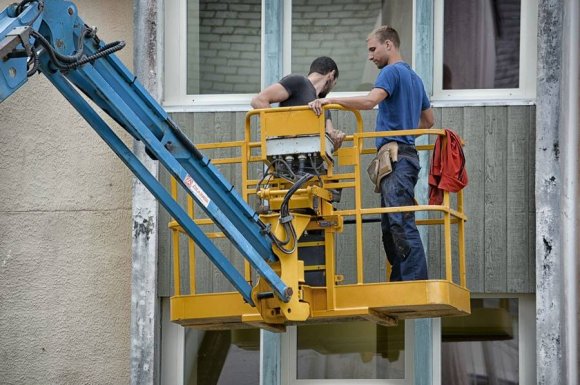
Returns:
<point x="400" y="235"/>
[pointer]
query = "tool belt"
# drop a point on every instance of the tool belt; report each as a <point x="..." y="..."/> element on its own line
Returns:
<point x="381" y="166"/>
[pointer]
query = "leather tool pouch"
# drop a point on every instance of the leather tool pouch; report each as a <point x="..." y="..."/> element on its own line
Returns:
<point x="381" y="166"/>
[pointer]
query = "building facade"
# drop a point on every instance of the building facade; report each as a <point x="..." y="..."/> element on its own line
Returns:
<point x="499" y="73"/>
<point x="65" y="217"/>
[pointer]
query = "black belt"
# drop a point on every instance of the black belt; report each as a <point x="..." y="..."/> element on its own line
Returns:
<point x="406" y="149"/>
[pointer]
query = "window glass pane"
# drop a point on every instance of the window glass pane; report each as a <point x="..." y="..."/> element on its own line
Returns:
<point x="222" y="357"/>
<point x="482" y="348"/>
<point x="350" y="350"/>
<point x="481" y="44"/>
<point x="339" y="29"/>
<point x="223" y="46"/>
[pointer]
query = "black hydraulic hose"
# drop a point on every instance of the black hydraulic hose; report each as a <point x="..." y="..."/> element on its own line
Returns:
<point x="310" y="157"/>
<point x="80" y="48"/>
<point x="34" y="60"/>
<point x="267" y="172"/>
<point x="106" y="50"/>
<point x="59" y="59"/>
<point x="51" y="51"/>
<point x="20" y="8"/>
<point x="286" y="218"/>
<point x="66" y="62"/>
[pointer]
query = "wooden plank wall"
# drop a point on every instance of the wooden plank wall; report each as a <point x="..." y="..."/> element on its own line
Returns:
<point x="500" y="243"/>
<point x="499" y="200"/>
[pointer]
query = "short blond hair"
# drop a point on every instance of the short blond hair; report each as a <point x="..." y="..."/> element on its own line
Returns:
<point x="384" y="33"/>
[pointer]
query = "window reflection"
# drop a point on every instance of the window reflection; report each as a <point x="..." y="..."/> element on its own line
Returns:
<point x="340" y="30"/>
<point x="350" y="350"/>
<point x="223" y="46"/>
<point x="481" y="46"/>
<point x="482" y="348"/>
<point x="222" y="357"/>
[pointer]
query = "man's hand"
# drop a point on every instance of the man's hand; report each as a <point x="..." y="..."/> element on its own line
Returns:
<point x="337" y="137"/>
<point x="316" y="105"/>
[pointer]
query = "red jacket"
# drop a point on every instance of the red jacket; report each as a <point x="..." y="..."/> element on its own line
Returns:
<point x="447" y="171"/>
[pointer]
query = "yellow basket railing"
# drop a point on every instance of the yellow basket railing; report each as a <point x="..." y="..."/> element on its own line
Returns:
<point x="251" y="150"/>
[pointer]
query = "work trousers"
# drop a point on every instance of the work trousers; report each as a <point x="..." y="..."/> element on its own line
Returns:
<point x="400" y="234"/>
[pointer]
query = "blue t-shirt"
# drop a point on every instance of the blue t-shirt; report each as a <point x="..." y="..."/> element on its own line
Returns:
<point x="402" y="109"/>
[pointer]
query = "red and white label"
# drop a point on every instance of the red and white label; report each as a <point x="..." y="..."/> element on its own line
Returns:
<point x="196" y="190"/>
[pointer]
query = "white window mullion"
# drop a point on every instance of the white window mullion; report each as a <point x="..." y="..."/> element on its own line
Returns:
<point x="438" y="49"/>
<point x="172" y="348"/>
<point x="287" y="38"/>
<point x="528" y="47"/>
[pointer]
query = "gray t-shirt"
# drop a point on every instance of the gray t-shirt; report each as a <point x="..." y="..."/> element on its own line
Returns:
<point x="299" y="88"/>
<point x="301" y="91"/>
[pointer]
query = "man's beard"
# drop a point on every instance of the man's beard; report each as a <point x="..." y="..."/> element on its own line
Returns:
<point x="325" y="90"/>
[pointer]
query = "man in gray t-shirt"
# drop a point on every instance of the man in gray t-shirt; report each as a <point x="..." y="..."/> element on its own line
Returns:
<point x="299" y="90"/>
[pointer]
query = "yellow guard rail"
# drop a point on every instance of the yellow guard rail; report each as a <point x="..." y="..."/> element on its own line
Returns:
<point x="382" y="302"/>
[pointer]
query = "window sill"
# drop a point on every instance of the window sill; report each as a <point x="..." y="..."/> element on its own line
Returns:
<point x="243" y="104"/>
<point x="482" y="102"/>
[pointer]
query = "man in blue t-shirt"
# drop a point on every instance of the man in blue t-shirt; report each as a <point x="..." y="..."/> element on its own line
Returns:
<point x="403" y="104"/>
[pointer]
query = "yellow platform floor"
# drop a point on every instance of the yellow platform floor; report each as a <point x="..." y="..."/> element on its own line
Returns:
<point x="384" y="303"/>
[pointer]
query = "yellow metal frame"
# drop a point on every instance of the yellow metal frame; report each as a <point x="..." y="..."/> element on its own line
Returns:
<point x="384" y="303"/>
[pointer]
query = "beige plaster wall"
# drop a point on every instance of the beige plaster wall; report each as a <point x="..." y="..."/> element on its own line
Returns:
<point x="65" y="234"/>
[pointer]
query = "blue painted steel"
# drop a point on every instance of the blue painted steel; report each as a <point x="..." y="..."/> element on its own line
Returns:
<point x="61" y="25"/>
<point x="133" y="163"/>
<point x="13" y="72"/>
<point x="114" y="89"/>
<point x="239" y="213"/>
<point x="214" y="200"/>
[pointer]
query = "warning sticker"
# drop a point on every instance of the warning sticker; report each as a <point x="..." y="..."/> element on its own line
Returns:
<point x="196" y="190"/>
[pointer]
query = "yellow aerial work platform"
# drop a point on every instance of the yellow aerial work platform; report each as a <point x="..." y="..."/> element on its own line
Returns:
<point x="284" y="144"/>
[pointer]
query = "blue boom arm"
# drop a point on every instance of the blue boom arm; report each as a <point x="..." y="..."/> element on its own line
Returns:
<point x="49" y="37"/>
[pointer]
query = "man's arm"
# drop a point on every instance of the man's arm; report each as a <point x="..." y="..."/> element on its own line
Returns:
<point x="275" y="93"/>
<point x="427" y="118"/>
<point x="366" y="102"/>
<point x="336" y="135"/>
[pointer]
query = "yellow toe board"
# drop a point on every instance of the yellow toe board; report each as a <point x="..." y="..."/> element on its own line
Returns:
<point x="383" y="303"/>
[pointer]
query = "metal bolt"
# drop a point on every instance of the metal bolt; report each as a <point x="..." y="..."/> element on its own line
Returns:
<point x="288" y="292"/>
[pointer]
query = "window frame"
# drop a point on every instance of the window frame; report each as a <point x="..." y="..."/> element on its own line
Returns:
<point x="174" y="59"/>
<point x="175" y="65"/>
<point x="526" y="335"/>
<point x="175" y="97"/>
<point x="288" y="362"/>
<point x="525" y="94"/>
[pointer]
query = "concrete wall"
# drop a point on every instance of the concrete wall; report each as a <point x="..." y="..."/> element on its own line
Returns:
<point x="65" y="243"/>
